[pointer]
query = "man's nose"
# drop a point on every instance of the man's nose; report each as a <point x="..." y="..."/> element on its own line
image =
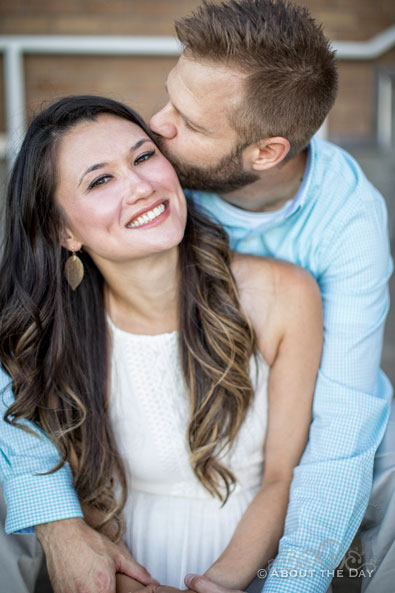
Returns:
<point x="162" y="123"/>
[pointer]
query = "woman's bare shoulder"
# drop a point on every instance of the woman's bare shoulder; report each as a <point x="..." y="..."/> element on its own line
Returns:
<point x="272" y="293"/>
<point x="259" y="277"/>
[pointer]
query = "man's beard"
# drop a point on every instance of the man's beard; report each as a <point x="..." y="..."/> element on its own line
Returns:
<point x="227" y="176"/>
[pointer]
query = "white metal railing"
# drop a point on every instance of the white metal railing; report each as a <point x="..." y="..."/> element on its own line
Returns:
<point x="15" y="47"/>
<point x="385" y="107"/>
<point x="366" y="50"/>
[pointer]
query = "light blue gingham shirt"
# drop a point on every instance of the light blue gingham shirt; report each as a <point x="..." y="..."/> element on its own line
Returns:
<point x="336" y="227"/>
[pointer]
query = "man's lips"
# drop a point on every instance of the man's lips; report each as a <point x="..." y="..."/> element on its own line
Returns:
<point x="149" y="215"/>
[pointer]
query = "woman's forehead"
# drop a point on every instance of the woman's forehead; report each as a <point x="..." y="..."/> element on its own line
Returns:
<point x="105" y="137"/>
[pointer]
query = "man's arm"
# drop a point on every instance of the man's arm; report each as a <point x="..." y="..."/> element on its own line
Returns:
<point x="31" y="498"/>
<point x="332" y="484"/>
<point x="78" y="557"/>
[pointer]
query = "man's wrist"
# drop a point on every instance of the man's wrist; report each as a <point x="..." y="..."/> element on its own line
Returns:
<point x="52" y="529"/>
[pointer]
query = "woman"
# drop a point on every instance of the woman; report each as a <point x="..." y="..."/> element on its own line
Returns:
<point x="159" y="363"/>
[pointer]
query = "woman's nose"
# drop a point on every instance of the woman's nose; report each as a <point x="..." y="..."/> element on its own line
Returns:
<point x="162" y="123"/>
<point x="139" y="189"/>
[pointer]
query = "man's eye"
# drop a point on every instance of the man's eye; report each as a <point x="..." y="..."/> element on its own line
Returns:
<point x="189" y="127"/>
<point x="99" y="181"/>
<point x="144" y="157"/>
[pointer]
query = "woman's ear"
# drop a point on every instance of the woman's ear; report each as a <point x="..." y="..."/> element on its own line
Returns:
<point x="268" y="153"/>
<point x="67" y="240"/>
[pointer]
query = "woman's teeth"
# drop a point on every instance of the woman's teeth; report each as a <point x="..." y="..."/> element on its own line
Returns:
<point x="147" y="216"/>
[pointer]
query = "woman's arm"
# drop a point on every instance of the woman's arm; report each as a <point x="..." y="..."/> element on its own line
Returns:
<point x="291" y="337"/>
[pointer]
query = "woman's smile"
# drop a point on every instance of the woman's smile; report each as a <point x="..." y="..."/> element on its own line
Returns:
<point x="151" y="216"/>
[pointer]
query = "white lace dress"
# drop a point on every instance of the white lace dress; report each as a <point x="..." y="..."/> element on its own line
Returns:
<point x="173" y="525"/>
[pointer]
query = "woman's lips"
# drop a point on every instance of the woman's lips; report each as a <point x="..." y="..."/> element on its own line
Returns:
<point x="150" y="216"/>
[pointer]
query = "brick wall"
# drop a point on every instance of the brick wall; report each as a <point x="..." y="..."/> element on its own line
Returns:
<point x="92" y="17"/>
<point x="139" y="81"/>
<point x="352" y="20"/>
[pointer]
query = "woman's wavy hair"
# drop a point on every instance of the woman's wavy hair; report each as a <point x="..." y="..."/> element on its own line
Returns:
<point x="55" y="345"/>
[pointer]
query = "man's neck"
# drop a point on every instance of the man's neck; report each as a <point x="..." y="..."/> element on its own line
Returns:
<point x="273" y="188"/>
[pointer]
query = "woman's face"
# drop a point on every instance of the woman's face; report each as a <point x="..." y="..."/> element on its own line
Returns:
<point x="119" y="196"/>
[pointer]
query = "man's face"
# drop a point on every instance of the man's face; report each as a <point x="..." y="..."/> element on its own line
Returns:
<point x="193" y="128"/>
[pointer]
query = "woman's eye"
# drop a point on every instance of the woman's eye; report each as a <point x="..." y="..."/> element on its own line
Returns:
<point x="99" y="181"/>
<point x="144" y="157"/>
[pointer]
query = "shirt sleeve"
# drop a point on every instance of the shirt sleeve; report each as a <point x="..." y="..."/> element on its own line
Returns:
<point x="31" y="497"/>
<point x="331" y="486"/>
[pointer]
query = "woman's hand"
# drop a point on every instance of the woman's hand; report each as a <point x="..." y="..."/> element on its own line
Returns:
<point x="196" y="584"/>
<point x="202" y="584"/>
<point x="167" y="589"/>
<point x="127" y="585"/>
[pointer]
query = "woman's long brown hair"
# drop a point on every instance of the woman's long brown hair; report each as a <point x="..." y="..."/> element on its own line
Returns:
<point x="54" y="342"/>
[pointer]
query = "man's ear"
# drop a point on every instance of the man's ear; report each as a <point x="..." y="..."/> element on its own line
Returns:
<point x="267" y="153"/>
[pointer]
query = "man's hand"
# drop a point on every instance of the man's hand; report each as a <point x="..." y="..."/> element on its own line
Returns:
<point x="81" y="560"/>
<point x="201" y="584"/>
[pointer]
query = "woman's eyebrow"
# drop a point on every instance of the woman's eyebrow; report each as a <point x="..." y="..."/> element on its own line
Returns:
<point x="139" y="143"/>
<point x="99" y="165"/>
<point x="91" y="168"/>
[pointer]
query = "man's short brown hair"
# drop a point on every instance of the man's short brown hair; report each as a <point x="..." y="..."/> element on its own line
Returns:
<point x="291" y="78"/>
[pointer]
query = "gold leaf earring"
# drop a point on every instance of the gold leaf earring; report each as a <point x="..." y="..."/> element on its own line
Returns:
<point x="74" y="270"/>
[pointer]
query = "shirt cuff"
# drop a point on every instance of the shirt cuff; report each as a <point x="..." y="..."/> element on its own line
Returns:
<point x="35" y="499"/>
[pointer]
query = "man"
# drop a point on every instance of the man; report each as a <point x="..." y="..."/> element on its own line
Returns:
<point x="254" y="83"/>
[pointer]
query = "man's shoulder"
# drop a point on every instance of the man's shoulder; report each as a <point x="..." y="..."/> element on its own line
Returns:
<point x="324" y="151"/>
<point x="4" y="378"/>
<point x="338" y="193"/>
<point x="336" y="172"/>
<point x="6" y="395"/>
